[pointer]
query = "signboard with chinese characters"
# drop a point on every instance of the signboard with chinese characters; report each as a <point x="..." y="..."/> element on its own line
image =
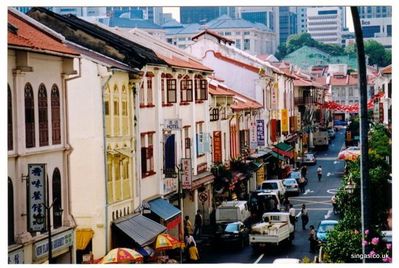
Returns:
<point x="58" y="242"/>
<point x="173" y="124"/>
<point x="284" y="120"/>
<point x="16" y="256"/>
<point x="260" y="132"/>
<point x="169" y="185"/>
<point x="298" y="122"/>
<point x="274" y="94"/>
<point x="253" y="142"/>
<point x="260" y="175"/>
<point x="36" y="197"/>
<point x="217" y="146"/>
<point x="186" y="177"/>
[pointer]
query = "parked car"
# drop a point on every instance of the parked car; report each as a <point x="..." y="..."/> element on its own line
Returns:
<point x="323" y="228"/>
<point x="307" y="159"/>
<point x="338" y="124"/>
<point x="232" y="211"/>
<point x="275" y="186"/>
<point x="260" y="202"/>
<point x="291" y="186"/>
<point x="331" y="133"/>
<point x="350" y="153"/>
<point x="234" y="233"/>
<point x="297" y="176"/>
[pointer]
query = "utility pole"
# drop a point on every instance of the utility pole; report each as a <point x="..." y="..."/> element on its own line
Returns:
<point x="179" y="196"/>
<point x="48" y="222"/>
<point x="362" y="81"/>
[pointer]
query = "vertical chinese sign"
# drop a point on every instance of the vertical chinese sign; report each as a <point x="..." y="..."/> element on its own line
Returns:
<point x="260" y="175"/>
<point x="253" y="142"/>
<point x="274" y="95"/>
<point x="260" y="132"/>
<point x="217" y="146"/>
<point x="186" y="173"/>
<point x="36" y="197"/>
<point x="284" y="120"/>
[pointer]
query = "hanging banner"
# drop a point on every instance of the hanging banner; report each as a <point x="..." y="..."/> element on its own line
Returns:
<point x="284" y="120"/>
<point x="274" y="94"/>
<point x="253" y="142"/>
<point x="186" y="177"/>
<point x="217" y="146"/>
<point x="260" y="132"/>
<point x="260" y="175"/>
<point x="299" y="122"/>
<point x="36" y="197"/>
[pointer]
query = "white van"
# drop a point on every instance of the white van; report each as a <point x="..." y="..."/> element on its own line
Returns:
<point x="232" y="211"/>
<point x="275" y="186"/>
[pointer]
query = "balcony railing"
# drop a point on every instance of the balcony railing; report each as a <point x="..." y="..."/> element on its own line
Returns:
<point x="305" y="100"/>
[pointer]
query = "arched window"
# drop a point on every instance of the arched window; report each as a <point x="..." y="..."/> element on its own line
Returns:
<point x="9" y="122"/>
<point x="10" y="213"/>
<point x="57" y="212"/>
<point x="43" y="116"/>
<point x="116" y="111"/>
<point x="55" y="115"/>
<point x="29" y="117"/>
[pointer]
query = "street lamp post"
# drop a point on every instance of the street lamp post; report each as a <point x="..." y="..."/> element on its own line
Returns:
<point x="59" y="211"/>
<point x="364" y="178"/>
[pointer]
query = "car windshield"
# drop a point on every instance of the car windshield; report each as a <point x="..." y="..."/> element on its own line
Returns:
<point x="270" y="186"/>
<point x="231" y="227"/>
<point x="326" y="228"/>
<point x="290" y="181"/>
<point x="295" y="174"/>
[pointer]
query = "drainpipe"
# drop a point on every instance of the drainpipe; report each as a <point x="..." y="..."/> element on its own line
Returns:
<point x="108" y="76"/>
<point x="68" y="149"/>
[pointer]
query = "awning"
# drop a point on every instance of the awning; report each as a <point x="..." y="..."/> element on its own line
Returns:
<point x="253" y="165"/>
<point x="83" y="237"/>
<point x="139" y="228"/>
<point x="284" y="149"/>
<point x="278" y="156"/>
<point x="202" y="179"/>
<point x="163" y="209"/>
<point x="259" y="154"/>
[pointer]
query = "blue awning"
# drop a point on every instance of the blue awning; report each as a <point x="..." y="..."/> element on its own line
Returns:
<point x="163" y="209"/>
<point x="141" y="229"/>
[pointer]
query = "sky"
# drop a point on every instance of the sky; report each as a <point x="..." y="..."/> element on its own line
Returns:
<point x="176" y="15"/>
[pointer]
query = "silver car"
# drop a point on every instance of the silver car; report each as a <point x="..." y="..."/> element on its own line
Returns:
<point x="291" y="186"/>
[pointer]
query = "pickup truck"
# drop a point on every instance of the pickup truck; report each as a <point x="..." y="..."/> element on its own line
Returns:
<point x="273" y="230"/>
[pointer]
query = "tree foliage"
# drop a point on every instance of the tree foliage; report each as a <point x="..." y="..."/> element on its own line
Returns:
<point x="345" y="239"/>
<point x="375" y="51"/>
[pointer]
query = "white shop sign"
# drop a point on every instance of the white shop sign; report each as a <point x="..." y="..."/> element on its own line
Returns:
<point x="58" y="242"/>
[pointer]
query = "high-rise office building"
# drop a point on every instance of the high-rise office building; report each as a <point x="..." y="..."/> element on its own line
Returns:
<point x="265" y="15"/>
<point x="287" y="23"/>
<point x="202" y="15"/>
<point x="301" y="19"/>
<point x="367" y="12"/>
<point x="326" y="24"/>
<point x="153" y="14"/>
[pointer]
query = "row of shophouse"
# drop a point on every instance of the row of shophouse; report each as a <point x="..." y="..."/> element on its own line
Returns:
<point x="119" y="132"/>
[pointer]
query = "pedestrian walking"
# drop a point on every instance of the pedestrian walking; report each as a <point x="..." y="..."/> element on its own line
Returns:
<point x="197" y="224"/>
<point x="319" y="173"/>
<point x="286" y="202"/>
<point x="302" y="182"/>
<point x="193" y="254"/>
<point x="304" y="170"/>
<point x="312" y="240"/>
<point x="292" y="213"/>
<point x="188" y="239"/>
<point x="304" y="216"/>
<point x="188" y="227"/>
<point x="334" y="204"/>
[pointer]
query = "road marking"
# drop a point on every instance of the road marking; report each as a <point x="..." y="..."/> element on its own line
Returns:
<point x="327" y="158"/>
<point x="307" y="197"/>
<point x="332" y="191"/>
<point x="308" y="191"/>
<point x="260" y="257"/>
<point x="328" y="215"/>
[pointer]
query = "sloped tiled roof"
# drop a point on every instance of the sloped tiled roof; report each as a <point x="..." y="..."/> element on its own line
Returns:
<point x="387" y="70"/>
<point x="236" y="62"/>
<point x="225" y="21"/>
<point x="24" y="34"/>
<point x="214" y="34"/>
<point x="178" y="62"/>
<point x="219" y="91"/>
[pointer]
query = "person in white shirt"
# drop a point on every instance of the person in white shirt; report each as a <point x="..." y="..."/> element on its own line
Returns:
<point x="292" y="212"/>
<point x="319" y="172"/>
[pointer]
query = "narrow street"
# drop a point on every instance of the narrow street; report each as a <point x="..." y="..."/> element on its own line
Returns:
<point x="316" y="198"/>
